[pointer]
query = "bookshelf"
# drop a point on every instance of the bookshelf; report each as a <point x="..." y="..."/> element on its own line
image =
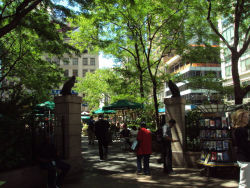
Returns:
<point x="215" y="141"/>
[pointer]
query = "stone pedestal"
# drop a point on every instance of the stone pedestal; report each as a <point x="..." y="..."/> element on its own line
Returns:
<point x="176" y="110"/>
<point x="68" y="130"/>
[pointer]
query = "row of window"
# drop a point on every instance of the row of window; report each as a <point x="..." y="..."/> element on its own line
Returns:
<point x="244" y="66"/>
<point x="194" y="73"/>
<point x="76" y="73"/>
<point x="73" y="61"/>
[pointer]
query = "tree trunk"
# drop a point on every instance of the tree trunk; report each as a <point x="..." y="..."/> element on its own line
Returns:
<point x="157" y="119"/>
<point x="238" y="91"/>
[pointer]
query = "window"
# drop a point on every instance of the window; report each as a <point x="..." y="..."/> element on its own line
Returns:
<point x="75" y="72"/>
<point x="66" y="61"/>
<point x="228" y="70"/>
<point x="56" y="61"/>
<point x="75" y="61"/>
<point x="92" y="70"/>
<point x="66" y="73"/>
<point x="84" y="71"/>
<point x="92" y="61"/>
<point x="48" y="59"/>
<point x="245" y="65"/>
<point x="84" y="61"/>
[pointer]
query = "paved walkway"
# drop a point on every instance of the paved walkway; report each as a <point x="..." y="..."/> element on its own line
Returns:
<point x="119" y="171"/>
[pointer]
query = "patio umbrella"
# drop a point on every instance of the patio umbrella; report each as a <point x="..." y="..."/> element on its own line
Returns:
<point x="100" y="111"/>
<point x="48" y="105"/>
<point x="85" y="117"/>
<point x="122" y="105"/>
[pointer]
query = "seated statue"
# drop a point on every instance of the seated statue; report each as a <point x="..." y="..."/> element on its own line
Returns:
<point x="68" y="85"/>
<point x="174" y="89"/>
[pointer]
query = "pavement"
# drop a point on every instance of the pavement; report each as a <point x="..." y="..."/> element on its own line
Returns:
<point x="119" y="171"/>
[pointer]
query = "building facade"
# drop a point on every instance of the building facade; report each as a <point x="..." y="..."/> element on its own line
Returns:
<point x="75" y="65"/>
<point x="187" y="70"/>
<point x="226" y="66"/>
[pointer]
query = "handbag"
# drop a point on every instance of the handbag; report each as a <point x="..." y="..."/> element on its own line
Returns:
<point x="134" y="145"/>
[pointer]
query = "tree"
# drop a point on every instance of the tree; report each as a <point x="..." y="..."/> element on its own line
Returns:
<point x="25" y="75"/>
<point x="102" y="84"/>
<point x="139" y="33"/>
<point x="12" y="13"/>
<point x="236" y="13"/>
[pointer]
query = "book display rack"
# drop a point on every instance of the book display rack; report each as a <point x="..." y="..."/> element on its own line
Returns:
<point x="216" y="141"/>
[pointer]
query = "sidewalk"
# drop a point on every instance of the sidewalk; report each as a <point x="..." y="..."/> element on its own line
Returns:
<point x="119" y="171"/>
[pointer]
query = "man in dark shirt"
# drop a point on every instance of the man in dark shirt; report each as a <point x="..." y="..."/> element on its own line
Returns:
<point x="49" y="160"/>
<point x="101" y="132"/>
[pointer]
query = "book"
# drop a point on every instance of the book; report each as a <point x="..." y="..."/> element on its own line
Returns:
<point x="207" y="158"/>
<point x="213" y="156"/>
<point x="203" y="155"/>
<point x="213" y="145"/>
<point x="225" y="156"/>
<point x="219" y="145"/>
<point x="212" y="123"/>
<point x="225" y="145"/>
<point x="213" y="134"/>
<point x="207" y="133"/>
<point x="218" y="133"/>
<point x="219" y="156"/>
<point x="207" y="123"/>
<point x="202" y="134"/>
<point x="218" y="123"/>
<point x="224" y="133"/>
<point x="202" y="123"/>
<point x="224" y="122"/>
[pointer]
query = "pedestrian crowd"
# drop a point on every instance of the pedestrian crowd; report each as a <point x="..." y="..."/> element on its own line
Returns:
<point x="133" y="139"/>
<point x="139" y="140"/>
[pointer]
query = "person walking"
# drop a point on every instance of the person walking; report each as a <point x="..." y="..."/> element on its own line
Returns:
<point x="241" y="139"/>
<point x="101" y="132"/>
<point x="167" y="149"/>
<point x="144" y="149"/>
<point x="91" y="130"/>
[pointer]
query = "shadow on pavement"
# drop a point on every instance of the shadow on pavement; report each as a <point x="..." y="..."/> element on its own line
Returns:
<point x="120" y="171"/>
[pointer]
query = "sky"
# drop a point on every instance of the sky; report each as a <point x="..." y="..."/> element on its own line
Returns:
<point x="105" y="62"/>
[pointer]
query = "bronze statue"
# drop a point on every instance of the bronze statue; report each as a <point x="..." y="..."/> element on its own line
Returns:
<point x="67" y="86"/>
<point x="174" y="89"/>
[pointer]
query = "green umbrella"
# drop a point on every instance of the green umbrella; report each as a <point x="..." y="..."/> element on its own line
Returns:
<point x="50" y="105"/>
<point x="100" y="111"/>
<point x="85" y="117"/>
<point x="122" y="105"/>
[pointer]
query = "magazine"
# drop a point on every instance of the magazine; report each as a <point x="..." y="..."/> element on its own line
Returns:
<point x="224" y="122"/>
<point x="207" y="123"/>
<point x="225" y="145"/>
<point x="212" y="123"/>
<point x="218" y="133"/>
<point x="224" y="133"/>
<point x="219" y="145"/>
<point x="218" y="123"/>
<point x="225" y="156"/>
<point x="214" y="156"/>
<point x="219" y="156"/>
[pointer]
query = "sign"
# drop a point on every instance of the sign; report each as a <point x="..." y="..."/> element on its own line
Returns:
<point x="58" y="92"/>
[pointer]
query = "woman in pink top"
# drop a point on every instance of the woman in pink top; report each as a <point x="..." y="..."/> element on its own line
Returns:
<point x="144" y="149"/>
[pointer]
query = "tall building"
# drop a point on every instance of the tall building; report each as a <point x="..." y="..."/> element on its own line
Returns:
<point x="188" y="69"/>
<point x="226" y="66"/>
<point x="74" y="65"/>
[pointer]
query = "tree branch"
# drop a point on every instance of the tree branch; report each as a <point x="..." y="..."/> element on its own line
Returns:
<point x="215" y="29"/>
<point x="20" y="14"/>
